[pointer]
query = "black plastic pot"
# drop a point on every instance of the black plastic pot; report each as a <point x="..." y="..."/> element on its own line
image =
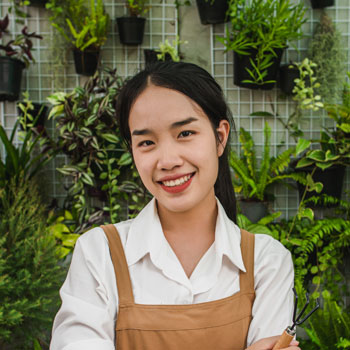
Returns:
<point x="40" y="111"/>
<point x="212" y="11"/>
<point x="10" y="78"/>
<point x="242" y="62"/>
<point x="40" y="3"/>
<point x="131" y="30"/>
<point x="253" y="210"/>
<point x="332" y="179"/>
<point x="151" y="56"/>
<point x="320" y="4"/>
<point x="86" y="61"/>
<point x="287" y="74"/>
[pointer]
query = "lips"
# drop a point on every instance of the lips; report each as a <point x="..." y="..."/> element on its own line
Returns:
<point x="176" y="184"/>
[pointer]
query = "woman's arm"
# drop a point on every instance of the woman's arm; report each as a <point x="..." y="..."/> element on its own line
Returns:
<point x="274" y="279"/>
<point x="86" y="319"/>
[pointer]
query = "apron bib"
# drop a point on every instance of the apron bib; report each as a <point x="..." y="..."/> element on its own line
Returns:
<point x="220" y="324"/>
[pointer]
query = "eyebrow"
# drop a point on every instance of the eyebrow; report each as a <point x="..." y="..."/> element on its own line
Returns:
<point x="140" y="132"/>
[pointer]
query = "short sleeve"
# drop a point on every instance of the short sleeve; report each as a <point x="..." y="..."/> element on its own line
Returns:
<point x="86" y="319"/>
<point x="274" y="279"/>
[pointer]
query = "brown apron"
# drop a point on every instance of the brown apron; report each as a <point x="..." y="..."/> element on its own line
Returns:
<point x="219" y="324"/>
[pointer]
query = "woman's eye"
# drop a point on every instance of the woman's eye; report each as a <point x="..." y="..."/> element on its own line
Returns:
<point x="145" y="143"/>
<point x="186" y="133"/>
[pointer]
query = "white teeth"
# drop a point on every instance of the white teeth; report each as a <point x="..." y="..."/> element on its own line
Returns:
<point x="177" y="182"/>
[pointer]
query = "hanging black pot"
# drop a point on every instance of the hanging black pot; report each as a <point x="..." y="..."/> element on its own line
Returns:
<point x="10" y="78"/>
<point x="242" y="62"/>
<point x="131" y="30"/>
<point x="253" y="210"/>
<point x="40" y="3"/>
<point x="212" y="11"/>
<point x="332" y="179"/>
<point x="39" y="114"/>
<point x="86" y="61"/>
<point x="151" y="56"/>
<point x="320" y="4"/>
<point x="287" y="74"/>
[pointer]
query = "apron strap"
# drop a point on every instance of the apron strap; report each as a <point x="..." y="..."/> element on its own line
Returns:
<point x="246" y="279"/>
<point x="120" y="264"/>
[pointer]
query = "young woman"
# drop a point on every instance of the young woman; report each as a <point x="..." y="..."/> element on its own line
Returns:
<point x="181" y="275"/>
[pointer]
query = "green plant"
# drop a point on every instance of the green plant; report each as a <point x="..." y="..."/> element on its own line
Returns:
<point x="260" y="27"/>
<point x="30" y="275"/>
<point x="20" y="47"/>
<point x="327" y="51"/>
<point x="85" y="26"/>
<point x="26" y="159"/>
<point x="254" y="181"/>
<point x="334" y="141"/>
<point x="98" y="162"/>
<point x="172" y="50"/>
<point x="62" y="228"/>
<point x="137" y="7"/>
<point x="330" y="329"/>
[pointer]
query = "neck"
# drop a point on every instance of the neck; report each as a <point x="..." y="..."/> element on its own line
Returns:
<point x="197" y="221"/>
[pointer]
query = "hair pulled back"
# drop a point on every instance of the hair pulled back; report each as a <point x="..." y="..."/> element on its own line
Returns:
<point x="196" y="83"/>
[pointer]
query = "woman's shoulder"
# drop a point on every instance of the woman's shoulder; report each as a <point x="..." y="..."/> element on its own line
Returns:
<point x="95" y="238"/>
<point x="266" y="245"/>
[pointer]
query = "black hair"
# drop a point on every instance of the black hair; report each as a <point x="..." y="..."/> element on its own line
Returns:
<point x="196" y="83"/>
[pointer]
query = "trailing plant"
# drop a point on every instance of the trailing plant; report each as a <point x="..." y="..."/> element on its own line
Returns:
<point x="253" y="181"/>
<point x="261" y="226"/>
<point x="30" y="275"/>
<point x="170" y="49"/>
<point x="261" y="27"/>
<point x="327" y="51"/>
<point x="98" y="163"/>
<point x="21" y="46"/>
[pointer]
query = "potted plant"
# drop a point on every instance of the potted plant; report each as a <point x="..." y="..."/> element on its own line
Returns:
<point x="165" y="52"/>
<point x="17" y="56"/>
<point x="334" y="153"/>
<point x="258" y="33"/>
<point x="87" y="31"/>
<point x="327" y="51"/>
<point x="97" y="161"/>
<point x="320" y="4"/>
<point x="131" y="28"/>
<point x="253" y="181"/>
<point x="212" y="11"/>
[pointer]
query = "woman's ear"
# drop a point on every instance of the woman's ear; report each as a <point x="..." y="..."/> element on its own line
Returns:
<point x="223" y="132"/>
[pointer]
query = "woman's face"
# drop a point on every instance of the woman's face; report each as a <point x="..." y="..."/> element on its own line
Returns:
<point x="175" y="149"/>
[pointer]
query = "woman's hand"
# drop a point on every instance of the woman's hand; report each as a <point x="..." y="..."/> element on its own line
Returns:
<point x="269" y="343"/>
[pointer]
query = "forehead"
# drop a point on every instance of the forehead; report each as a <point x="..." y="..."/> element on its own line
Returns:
<point x="158" y="106"/>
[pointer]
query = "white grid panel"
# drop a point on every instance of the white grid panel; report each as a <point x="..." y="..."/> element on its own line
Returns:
<point x="162" y="23"/>
<point x="39" y="79"/>
<point x="243" y="101"/>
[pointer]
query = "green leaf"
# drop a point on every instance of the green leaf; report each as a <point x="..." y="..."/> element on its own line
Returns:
<point x="111" y="138"/>
<point x="125" y="159"/>
<point x="301" y="146"/>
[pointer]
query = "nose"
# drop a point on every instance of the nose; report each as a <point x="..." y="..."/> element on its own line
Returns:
<point x="169" y="157"/>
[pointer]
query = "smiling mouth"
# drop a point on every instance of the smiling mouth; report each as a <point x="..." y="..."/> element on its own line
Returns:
<point x="178" y="182"/>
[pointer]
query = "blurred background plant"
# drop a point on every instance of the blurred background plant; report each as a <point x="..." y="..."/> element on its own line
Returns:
<point x="327" y="51"/>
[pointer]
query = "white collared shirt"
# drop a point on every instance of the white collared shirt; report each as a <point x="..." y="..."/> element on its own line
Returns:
<point x="86" y="319"/>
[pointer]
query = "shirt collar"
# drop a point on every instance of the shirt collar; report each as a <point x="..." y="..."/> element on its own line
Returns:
<point x="146" y="237"/>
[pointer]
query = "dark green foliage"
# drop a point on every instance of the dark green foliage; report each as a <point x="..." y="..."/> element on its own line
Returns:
<point x="317" y="247"/>
<point x="29" y="275"/>
<point x="329" y="328"/>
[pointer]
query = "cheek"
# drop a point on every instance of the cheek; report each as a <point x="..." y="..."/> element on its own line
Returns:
<point x="144" y="167"/>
